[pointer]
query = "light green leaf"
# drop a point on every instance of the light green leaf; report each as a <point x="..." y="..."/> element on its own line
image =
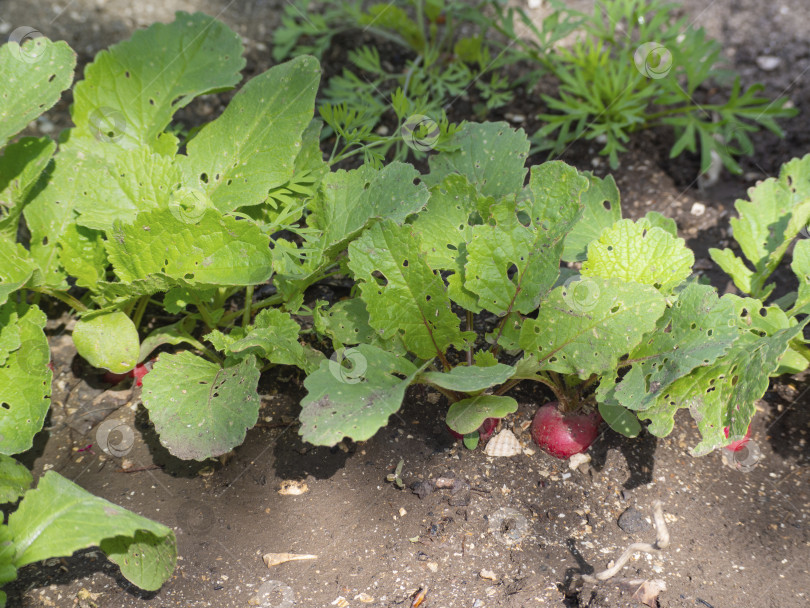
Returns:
<point x="468" y="379"/>
<point x="82" y="254"/>
<point x="109" y="341"/>
<point x="20" y="167"/>
<point x="145" y="559"/>
<point x="620" y="419"/>
<point x="346" y="323"/>
<point x="355" y="404"/>
<point x="723" y="394"/>
<point x="602" y="209"/>
<point x="117" y="294"/>
<point x="15" y="479"/>
<point x="663" y="222"/>
<point x="695" y="331"/>
<point x="25" y="383"/>
<point x="252" y="146"/>
<point x="200" y="409"/>
<point x="273" y="336"/>
<point x="410" y="299"/>
<point x="778" y="209"/>
<point x="491" y="155"/>
<point x="467" y="415"/>
<point x="16" y="268"/>
<point x="640" y="252"/>
<point x="176" y="333"/>
<point x="573" y="338"/>
<point x="527" y="241"/>
<point x="59" y="517"/>
<point x="131" y="90"/>
<point x="801" y="267"/>
<point x="216" y="250"/>
<point x="33" y="76"/>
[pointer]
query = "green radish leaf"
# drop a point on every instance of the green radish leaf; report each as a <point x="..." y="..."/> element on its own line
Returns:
<point x="584" y="338"/>
<point x="145" y="559"/>
<point x="724" y="393"/>
<point x="176" y="333"/>
<point x="109" y="341"/>
<point x="354" y="402"/>
<point x="20" y="167"/>
<point x="640" y="252"/>
<point x="663" y="222"/>
<point x="349" y="200"/>
<point x="215" y="250"/>
<point x="777" y="210"/>
<point x="130" y="91"/>
<point x="15" y="479"/>
<point x="59" y="517"/>
<point x="82" y="254"/>
<point x="530" y="247"/>
<point x="33" y="76"/>
<point x="602" y="209"/>
<point x="273" y="336"/>
<point x="620" y="419"/>
<point x="471" y="440"/>
<point x="251" y="148"/>
<point x="8" y="572"/>
<point x="468" y="379"/>
<point x="200" y="409"/>
<point x="346" y="323"/>
<point x="117" y="294"/>
<point x="25" y="379"/>
<point x="16" y="268"/>
<point x="801" y="267"/>
<point x="467" y="415"/>
<point x="695" y="331"/>
<point x="410" y="300"/>
<point x="490" y="155"/>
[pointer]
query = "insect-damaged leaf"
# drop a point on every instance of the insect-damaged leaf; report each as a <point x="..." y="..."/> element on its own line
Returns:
<point x="356" y="402"/>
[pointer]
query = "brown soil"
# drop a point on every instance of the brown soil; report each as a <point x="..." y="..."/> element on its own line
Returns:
<point x="739" y="537"/>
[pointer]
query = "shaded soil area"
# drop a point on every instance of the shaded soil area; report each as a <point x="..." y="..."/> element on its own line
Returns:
<point x="511" y="532"/>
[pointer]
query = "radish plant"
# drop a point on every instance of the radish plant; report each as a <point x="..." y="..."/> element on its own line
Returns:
<point x="467" y="296"/>
<point x="43" y="525"/>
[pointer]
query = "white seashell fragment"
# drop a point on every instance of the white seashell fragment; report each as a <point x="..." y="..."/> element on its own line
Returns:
<point x="503" y="444"/>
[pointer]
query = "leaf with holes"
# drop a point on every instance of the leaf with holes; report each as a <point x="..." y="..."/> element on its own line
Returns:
<point x="467" y="415"/>
<point x="404" y="296"/>
<point x="723" y="394"/>
<point x="251" y="148"/>
<point x="513" y="259"/>
<point x="59" y="517"/>
<point x="25" y="380"/>
<point x="490" y="155"/>
<point x="355" y="404"/>
<point x="346" y="324"/>
<point x="201" y="409"/>
<point x="212" y="250"/>
<point x="697" y="329"/>
<point x="601" y="209"/>
<point x="131" y="90"/>
<point x="21" y="165"/>
<point x="33" y="76"/>
<point x="778" y="209"/>
<point x="570" y="338"/>
<point x="640" y="252"/>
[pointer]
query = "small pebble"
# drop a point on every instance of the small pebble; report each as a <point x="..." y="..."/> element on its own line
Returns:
<point x="768" y="62"/>
<point x="632" y="521"/>
<point x="433" y="566"/>
<point x="488" y="575"/>
<point x="698" y="209"/>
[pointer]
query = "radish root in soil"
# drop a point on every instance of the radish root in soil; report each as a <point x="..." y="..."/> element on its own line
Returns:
<point x="662" y="542"/>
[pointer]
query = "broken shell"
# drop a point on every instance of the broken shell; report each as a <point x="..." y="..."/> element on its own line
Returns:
<point x="578" y="459"/>
<point x="503" y="444"/>
<point x="291" y="487"/>
<point x="274" y="559"/>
